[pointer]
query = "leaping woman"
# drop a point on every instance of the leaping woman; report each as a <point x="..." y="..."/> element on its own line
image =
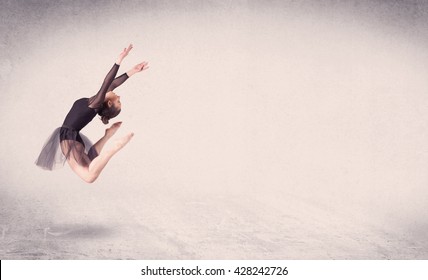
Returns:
<point x="66" y="143"/>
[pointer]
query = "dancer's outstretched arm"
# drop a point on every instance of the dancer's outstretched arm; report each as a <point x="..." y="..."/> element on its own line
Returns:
<point x="98" y="99"/>
<point x="122" y="78"/>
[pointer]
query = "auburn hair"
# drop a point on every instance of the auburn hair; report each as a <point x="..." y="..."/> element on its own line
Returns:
<point x="107" y="112"/>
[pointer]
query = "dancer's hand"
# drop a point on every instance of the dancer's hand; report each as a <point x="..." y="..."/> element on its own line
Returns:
<point x="124" y="53"/>
<point x="141" y="66"/>
<point x="138" y="68"/>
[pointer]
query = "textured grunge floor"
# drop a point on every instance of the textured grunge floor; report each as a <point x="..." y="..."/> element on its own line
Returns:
<point x="201" y="227"/>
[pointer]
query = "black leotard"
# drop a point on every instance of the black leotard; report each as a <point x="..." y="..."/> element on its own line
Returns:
<point x="85" y="109"/>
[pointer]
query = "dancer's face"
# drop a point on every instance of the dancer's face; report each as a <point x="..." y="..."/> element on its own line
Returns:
<point x="114" y="100"/>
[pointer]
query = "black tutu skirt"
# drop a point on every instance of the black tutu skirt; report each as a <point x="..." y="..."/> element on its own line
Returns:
<point x="65" y="142"/>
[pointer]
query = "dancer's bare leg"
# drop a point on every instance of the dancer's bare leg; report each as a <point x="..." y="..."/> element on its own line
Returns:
<point x="97" y="147"/>
<point x="91" y="172"/>
<point x="98" y="163"/>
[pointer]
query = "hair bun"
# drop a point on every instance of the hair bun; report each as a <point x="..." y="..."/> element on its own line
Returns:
<point x="105" y="119"/>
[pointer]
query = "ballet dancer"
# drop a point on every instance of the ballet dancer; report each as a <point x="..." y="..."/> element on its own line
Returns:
<point x="68" y="144"/>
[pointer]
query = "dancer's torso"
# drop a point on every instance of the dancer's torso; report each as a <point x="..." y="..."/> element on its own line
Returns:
<point x="80" y="114"/>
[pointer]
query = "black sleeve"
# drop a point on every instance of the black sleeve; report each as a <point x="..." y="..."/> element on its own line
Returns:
<point x="97" y="100"/>
<point x="118" y="81"/>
